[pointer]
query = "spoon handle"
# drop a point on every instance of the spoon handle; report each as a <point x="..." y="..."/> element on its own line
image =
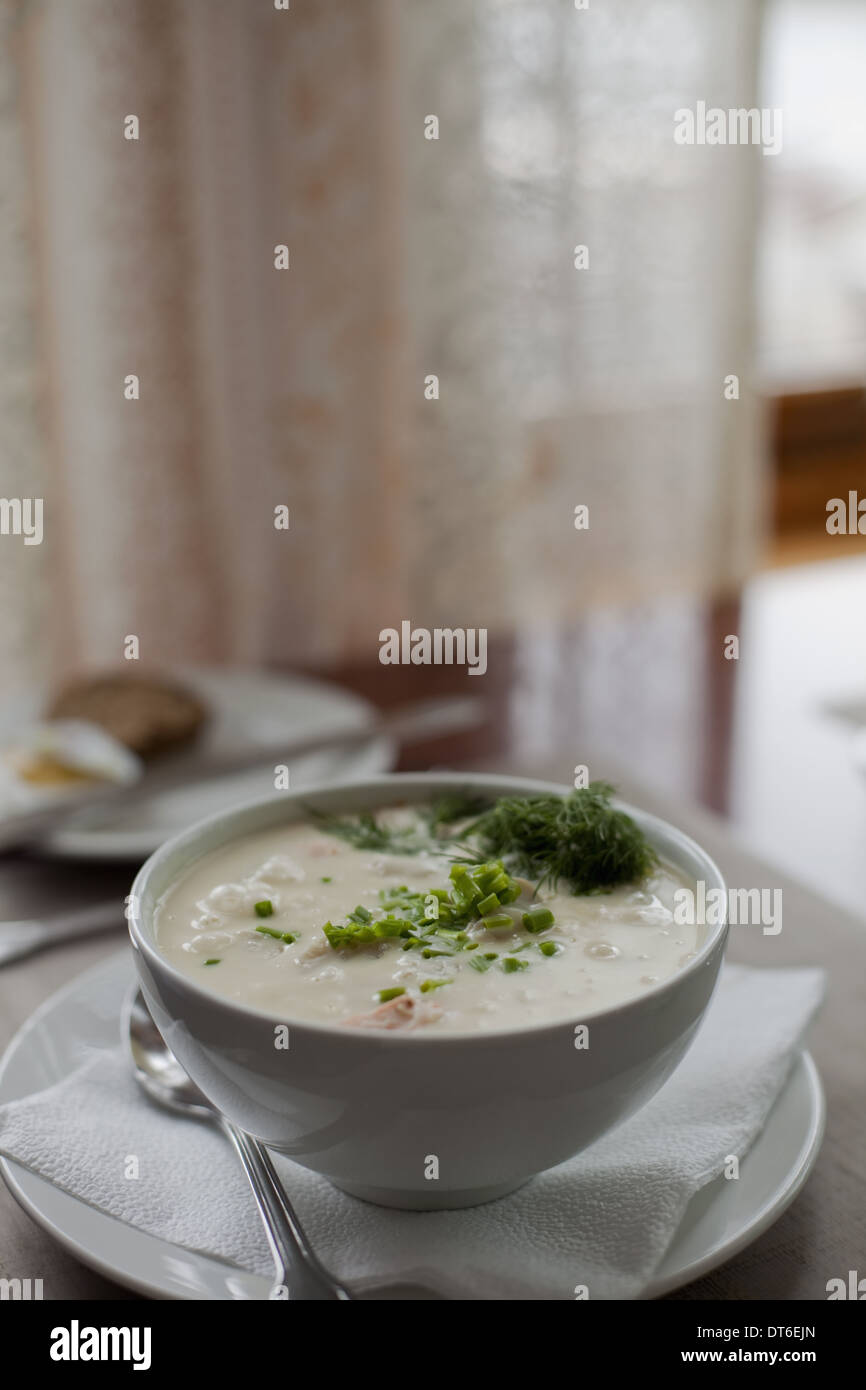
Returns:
<point x="297" y="1269"/>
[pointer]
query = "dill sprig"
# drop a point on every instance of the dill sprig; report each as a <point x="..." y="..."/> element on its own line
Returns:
<point x="580" y="839"/>
<point x="365" y="832"/>
<point x="452" y="807"/>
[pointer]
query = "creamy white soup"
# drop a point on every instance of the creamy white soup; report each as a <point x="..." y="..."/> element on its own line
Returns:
<point x="392" y="927"/>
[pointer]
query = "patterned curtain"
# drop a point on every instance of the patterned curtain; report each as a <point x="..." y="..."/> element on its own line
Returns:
<point x="410" y="258"/>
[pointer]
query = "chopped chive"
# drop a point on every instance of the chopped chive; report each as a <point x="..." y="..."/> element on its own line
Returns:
<point x="548" y="948"/>
<point x="385" y="994"/>
<point x="511" y="963"/>
<point x="326" y="878"/>
<point x="265" y="908"/>
<point x="216" y="960"/>
<point x="488" y="904"/>
<point x="438" y="915"/>
<point x="427" y="985"/>
<point x="473" y="946"/>
<point x="497" y="922"/>
<point x="538" y="919"/>
<point x="288" y="936"/>
<point x="491" y="955"/>
<point x="480" y="963"/>
<point x="428" y="953"/>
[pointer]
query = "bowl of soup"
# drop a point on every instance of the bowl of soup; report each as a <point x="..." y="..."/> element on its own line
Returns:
<point x="428" y="987"/>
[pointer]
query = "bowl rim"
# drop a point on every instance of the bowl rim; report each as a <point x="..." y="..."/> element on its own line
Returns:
<point x="715" y="937"/>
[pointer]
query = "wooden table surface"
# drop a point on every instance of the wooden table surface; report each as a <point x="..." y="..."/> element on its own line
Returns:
<point x="821" y="1236"/>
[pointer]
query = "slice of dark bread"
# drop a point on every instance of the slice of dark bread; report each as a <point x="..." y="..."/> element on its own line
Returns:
<point x="149" y="714"/>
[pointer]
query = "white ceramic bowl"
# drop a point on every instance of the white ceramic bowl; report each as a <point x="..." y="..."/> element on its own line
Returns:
<point x="372" y="1111"/>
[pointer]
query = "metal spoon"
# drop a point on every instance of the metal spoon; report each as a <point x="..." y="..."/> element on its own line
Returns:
<point x="161" y="1076"/>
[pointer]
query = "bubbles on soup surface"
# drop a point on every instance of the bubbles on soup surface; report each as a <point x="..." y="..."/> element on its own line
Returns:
<point x="601" y="950"/>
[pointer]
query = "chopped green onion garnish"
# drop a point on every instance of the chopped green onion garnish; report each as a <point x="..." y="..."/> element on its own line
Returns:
<point x="437" y="915"/>
<point x="265" y="908"/>
<point x="497" y="922"/>
<point x="538" y="919"/>
<point x="385" y="994"/>
<point x="216" y="960"/>
<point x="548" y="948"/>
<point x="286" y="936"/>
<point x="427" y="985"/>
<point x="491" y="955"/>
<point x="428" y="953"/>
<point x="511" y="963"/>
<point x="480" y="963"/>
<point x="326" y="878"/>
<point x="362" y="934"/>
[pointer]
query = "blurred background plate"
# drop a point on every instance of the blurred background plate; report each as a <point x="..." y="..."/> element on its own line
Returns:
<point x="247" y="709"/>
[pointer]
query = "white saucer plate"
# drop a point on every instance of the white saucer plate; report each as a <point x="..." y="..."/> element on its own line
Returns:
<point x="721" y="1220"/>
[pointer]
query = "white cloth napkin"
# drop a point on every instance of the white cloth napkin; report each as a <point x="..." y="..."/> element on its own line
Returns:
<point x="603" y="1219"/>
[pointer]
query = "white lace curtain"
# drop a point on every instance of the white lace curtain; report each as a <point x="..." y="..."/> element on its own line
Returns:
<point x="409" y="258"/>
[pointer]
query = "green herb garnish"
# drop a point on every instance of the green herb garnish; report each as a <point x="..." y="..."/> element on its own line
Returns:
<point x="455" y="806"/>
<point x="500" y="921"/>
<point x="538" y="919"/>
<point x="265" y="908"/>
<point x="480" y="963"/>
<point x="365" y="832"/>
<point x="435" y="920"/>
<point x="215" y="961"/>
<point x="326" y="878"/>
<point x="365" y="933"/>
<point x="549" y="948"/>
<point x="287" y="936"/>
<point x="580" y="839"/>
<point x="511" y="963"/>
<point x="385" y="994"/>
<point x="427" y="985"/>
